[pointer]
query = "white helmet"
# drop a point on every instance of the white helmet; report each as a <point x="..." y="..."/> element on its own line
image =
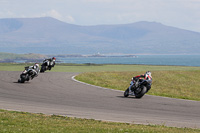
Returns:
<point x="36" y="64"/>
<point x="148" y="75"/>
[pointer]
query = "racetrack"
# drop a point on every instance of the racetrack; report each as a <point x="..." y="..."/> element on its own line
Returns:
<point x="56" y="93"/>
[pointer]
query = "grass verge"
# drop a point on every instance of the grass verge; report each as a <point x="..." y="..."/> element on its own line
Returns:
<point x="97" y="68"/>
<point x="21" y="122"/>
<point x="174" y="84"/>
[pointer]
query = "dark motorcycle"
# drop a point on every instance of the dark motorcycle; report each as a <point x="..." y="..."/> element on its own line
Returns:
<point x="138" y="88"/>
<point x="27" y="75"/>
<point x="47" y="65"/>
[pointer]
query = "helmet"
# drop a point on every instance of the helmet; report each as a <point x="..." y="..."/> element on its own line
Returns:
<point x="148" y="72"/>
<point x="36" y="64"/>
<point x="148" y="75"/>
<point x="53" y="58"/>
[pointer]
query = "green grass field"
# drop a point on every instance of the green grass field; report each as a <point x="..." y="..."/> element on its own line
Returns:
<point x="174" y="84"/>
<point x="171" y="81"/>
<point x="98" y="68"/>
<point x="20" y="122"/>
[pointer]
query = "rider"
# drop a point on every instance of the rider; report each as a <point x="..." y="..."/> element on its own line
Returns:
<point x="35" y="69"/>
<point x="50" y="62"/>
<point x="53" y="61"/>
<point x="147" y="76"/>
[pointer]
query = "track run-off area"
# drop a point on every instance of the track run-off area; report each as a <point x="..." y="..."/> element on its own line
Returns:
<point x="58" y="93"/>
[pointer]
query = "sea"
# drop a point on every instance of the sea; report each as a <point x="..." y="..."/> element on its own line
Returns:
<point x="175" y="60"/>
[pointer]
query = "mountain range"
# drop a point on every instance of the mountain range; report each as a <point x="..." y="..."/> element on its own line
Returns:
<point x="47" y="35"/>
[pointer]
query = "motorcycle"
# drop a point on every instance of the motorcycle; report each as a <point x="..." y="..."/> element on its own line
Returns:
<point x="27" y="75"/>
<point x="47" y="65"/>
<point x="138" y="88"/>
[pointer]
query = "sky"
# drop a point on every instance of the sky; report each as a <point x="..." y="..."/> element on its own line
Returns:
<point x="184" y="14"/>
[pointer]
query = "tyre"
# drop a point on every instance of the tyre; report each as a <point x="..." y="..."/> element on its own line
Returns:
<point x="23" y="78"/>
<point x="126" y="93"/>
<point x="140" y="93"/>
<point x="22" y="81"/>
<point x="42" y="69"/>
<point x="49" y="68"/>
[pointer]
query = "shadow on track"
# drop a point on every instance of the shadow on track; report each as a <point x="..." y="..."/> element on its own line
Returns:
<point x="127" y="97"/>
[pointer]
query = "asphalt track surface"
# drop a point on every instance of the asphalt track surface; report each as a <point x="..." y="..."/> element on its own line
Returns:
<point x="56" y="93"/>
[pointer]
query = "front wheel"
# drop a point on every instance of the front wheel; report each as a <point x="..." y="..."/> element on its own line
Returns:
<point x="139" y="93"/>
<point x="126" y="93"/>
<point x="23" y="79"/>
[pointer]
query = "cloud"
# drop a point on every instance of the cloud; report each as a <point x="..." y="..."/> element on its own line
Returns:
<point x="55" y="14"/>
<point x="69" y="19"/>
<point x="52" y="13"/>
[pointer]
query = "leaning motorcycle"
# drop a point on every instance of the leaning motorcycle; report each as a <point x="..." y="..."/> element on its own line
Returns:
<point x="47" y="65"/>
<point x="27" y="75"/>
<point x="138" y="88"/>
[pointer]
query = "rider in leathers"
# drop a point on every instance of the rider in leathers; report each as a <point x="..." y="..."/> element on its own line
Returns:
<point x="50" y="62"/>
<point x="146" y="76"/>
<point x="35" y="68"/>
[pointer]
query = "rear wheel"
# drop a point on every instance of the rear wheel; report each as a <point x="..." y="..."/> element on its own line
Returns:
<point x="49" y="68"/>
<point x="139" y="93"/>
<point x="42" y="69"/>
<point x="126" y="93"/>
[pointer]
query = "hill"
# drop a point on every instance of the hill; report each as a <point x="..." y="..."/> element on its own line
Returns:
<point x="30" y="57"/>
<point x="50" y="36"/>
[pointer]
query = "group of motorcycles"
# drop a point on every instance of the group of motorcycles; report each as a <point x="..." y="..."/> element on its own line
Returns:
<point x="31" y="72"/>
<point x="138" y="87"/>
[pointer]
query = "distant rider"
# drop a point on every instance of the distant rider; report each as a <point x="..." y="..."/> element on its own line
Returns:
<point x="50" y="62"/>
<point x="146" y="76"/>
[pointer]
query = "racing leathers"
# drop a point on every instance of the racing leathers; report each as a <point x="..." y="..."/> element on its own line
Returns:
<point x="35" y="69"/>
<point x="50" y="62"/>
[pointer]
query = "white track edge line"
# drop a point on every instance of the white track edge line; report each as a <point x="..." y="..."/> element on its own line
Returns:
<point x="73" y="78"/>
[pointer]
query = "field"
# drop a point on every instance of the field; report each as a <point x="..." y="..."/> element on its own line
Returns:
<point x="174" y="84"/>
<point x="171" y="81"/>
<point x="21" y="122"/>
<point x="98" y="68"/>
